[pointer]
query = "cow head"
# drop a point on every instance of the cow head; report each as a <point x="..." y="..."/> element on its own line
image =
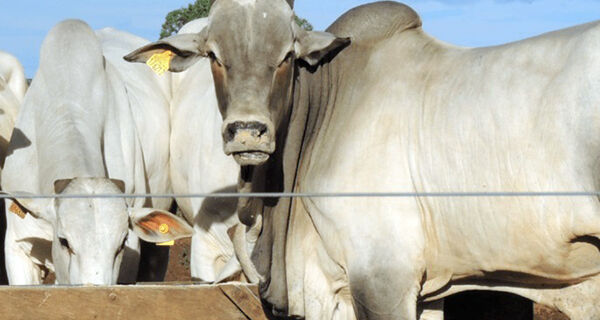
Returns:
<point x="254" y="47"/>
<point x="90" y="235"/>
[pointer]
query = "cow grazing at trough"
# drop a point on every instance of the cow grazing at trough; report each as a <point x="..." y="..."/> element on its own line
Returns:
<point x="198" y="165"/>
<point x="376" y="105"/>
<point x="86" y="127"/>
<point x="12" y="90"/>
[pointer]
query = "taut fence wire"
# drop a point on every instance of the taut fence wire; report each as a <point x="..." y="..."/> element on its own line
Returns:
<point x="19" y="195"/>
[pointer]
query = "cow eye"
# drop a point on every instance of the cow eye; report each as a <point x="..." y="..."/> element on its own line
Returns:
<point x="287" y="59"/>
<point x="213" y="58"/>
<point x="65" y="244"/>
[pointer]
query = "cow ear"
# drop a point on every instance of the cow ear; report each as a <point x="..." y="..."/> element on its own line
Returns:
<point x="314" y="46"/>
<point x="182" y="50"/>
<point x="155" y="225"/>
<point x="37" y="207"/>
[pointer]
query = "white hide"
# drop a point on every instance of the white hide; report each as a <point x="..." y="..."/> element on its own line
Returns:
<point x="79" y="120"/>
<point x="198" y="165"/>
<point x="517" y="117"/>
<point x="12" y="90"/>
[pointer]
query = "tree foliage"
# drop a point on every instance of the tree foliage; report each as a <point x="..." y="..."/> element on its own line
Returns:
<point x="177" y="18"/>
<point x="199" y="9"/>
<point x="303" y="23"/>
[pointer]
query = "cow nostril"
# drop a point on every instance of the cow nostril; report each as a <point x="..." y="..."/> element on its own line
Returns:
<point x="262" y="129"/>
<point x="258" y="128"/>
<point x="230" y="131"/>
<point x="254" y="128"/>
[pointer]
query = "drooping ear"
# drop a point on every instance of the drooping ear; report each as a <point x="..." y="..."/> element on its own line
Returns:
<point x="61" y="184"/>
<point x="291" y="3"/>
<point x="36" y="207"/>
<point x="313" y="46"/>
<point x="186" y="50"/>
<point x="120" y="184"/>
<point x="155" y="225"/>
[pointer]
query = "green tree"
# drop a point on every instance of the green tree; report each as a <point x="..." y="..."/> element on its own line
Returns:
<point x="177" y="18"/>
<point x="303" y="23"/>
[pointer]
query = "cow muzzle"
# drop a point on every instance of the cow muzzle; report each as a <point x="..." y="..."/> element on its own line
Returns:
<point x="251" y="143"/>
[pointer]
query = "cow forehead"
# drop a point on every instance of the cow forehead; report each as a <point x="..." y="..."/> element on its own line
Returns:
<point x="93" y="216"/>
<point x="245" y="2"/>
<point x="263" y="27"/>
<point x="273" y="6"/>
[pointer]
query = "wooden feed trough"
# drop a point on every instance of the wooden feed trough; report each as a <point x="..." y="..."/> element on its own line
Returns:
<point x="146" y="301"/>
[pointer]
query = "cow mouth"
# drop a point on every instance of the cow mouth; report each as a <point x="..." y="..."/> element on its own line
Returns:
<point x="250" y="158"/>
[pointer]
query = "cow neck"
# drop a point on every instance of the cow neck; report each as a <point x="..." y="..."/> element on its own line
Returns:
<point x="311" y="95"/>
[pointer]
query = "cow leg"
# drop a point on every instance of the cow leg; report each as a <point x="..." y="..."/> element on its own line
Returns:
<point x="326" y="296"/>
<point x="383" y="294"/>
<point x="380" y="253"/>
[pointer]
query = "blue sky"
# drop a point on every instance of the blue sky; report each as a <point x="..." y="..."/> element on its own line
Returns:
<point x="24" y="23"/>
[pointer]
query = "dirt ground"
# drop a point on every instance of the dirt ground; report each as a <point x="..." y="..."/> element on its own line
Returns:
<point x="179" y="261"/>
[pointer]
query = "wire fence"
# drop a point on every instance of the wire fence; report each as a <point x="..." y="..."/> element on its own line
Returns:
<point x="310" y="195"/>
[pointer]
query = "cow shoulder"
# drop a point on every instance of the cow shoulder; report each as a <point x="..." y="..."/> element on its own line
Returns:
<point x="375" y="22"/>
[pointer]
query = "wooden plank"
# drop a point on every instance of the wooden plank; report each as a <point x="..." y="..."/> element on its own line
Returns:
<point x="245" y="300"/>
<point x="130" y="302"/>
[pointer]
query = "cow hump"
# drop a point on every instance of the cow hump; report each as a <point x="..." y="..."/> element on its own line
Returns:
<point x="375" y="21"/>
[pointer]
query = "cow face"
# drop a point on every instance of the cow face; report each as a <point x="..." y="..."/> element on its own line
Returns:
<point x="91" y="235"/>
<point x="254" y="47"/>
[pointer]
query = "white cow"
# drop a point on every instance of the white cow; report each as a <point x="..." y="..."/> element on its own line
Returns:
<point x="79" y="132"/>
<point x="12" y="90"/>
<point x="376" y="105"/>
<point x="199" y="166"/>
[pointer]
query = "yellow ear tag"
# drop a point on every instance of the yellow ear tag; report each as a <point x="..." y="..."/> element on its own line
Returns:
<point x="159" y="62"/>
<point x="14" y="208"/>
<point x="163" y="228"/>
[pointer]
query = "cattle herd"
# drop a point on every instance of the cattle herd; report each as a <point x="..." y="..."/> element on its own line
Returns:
<point x="254" y="103"/>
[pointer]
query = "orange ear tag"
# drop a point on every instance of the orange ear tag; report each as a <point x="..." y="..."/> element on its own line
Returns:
<point x="160" y="62"/>
<point x="14" y="208"/>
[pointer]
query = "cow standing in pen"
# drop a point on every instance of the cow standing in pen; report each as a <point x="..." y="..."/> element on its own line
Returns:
<point x="88" y="125"/>
<point x="198" y="165"/>
<point x="376" y="105"/>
